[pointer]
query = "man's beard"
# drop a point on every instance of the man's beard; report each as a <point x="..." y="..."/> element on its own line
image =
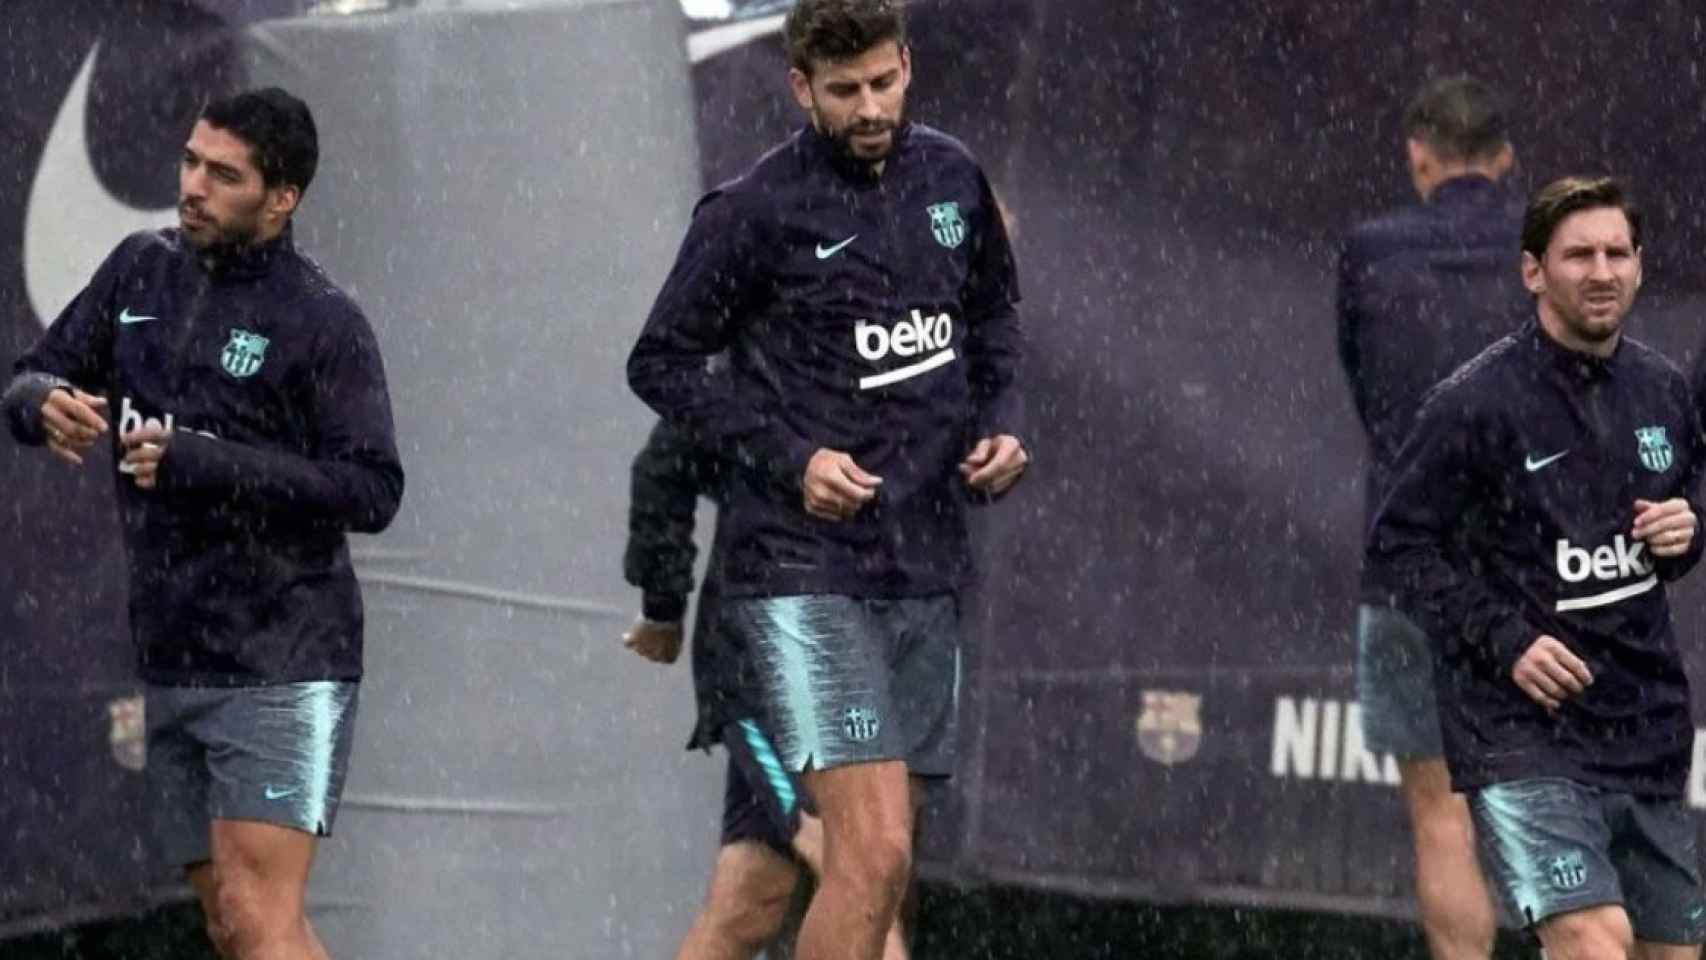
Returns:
<point x="843" y="139"/>
<point x="216" y="238"/>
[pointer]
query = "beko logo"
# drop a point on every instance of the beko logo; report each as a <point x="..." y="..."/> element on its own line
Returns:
<point x="910" y="337"/>
<point x="1618" y="560"/>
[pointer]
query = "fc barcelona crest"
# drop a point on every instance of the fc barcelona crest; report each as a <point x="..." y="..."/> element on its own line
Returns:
<point x="1656" y="454"/>
<point x="243" y="354"/>
<point x="947" y="224"/>
<point x="1169" y="730"/>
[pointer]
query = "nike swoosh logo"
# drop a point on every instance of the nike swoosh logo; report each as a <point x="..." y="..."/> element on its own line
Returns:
<point x="125" y="316"/>
<point x="71" y="221"/>
<point x="1533" y="464"/>
<point x="824" y="253"/>
<point x="280" y="794"/>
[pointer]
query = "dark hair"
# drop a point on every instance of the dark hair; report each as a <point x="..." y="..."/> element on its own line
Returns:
<point x="280" y="132"/>
<point x="840" y="29"/>
<point x="1560" y="198"/>
<point x="1460" y="117"/>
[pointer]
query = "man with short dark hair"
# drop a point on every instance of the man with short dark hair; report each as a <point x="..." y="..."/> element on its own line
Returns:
<point x="254" y="430"/>
<point x="862" y="283"/>
<point x="1422" y="290"/>
<point x="1548" y="491"/>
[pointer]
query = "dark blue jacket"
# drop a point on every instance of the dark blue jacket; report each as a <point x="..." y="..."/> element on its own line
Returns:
<point x="271" y="381"/>
<point x="668" y="478"/>
<point x="1421" y="291"/>
<point x="873" y="315"/>
<point x="1509" y="517"/>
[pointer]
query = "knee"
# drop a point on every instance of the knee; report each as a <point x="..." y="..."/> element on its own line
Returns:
<point x="751" y="922"/>
<point x="245" y="915"/>
<point x="1596" y="934"/>
<point x="879" y="856"/>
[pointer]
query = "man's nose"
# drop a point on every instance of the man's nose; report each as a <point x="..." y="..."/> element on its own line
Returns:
<point x="1602" y="267"/>
<point x="868" y="108"/>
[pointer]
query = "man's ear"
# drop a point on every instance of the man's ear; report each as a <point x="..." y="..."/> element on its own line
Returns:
<point x="282" y="200"/>
<point x="1533" y="277"/>
<point x="802" y="87"/>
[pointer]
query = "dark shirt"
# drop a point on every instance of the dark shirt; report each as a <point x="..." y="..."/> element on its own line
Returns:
<point x="1421" y="291"/>
<point x="270" y="380"/>
<point x="1509" y="517"/>
<point x="868" y="314"/>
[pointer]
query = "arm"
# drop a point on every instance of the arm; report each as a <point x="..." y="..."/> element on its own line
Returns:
<point x="1351" y="328"/>
<point x="75" y="352"/>
<point x="1411" y="543"/>
<point x="994" y="336"/>
<point x="350" y="478"/>
<point x="667" y="478"/>
<point x="1658" y="524"/>
<point x="715" y="282"/>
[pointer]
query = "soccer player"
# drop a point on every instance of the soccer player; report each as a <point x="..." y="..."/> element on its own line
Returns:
<point x="1546" y="495"/>
<point x="861" y="280"/>
<point x="254" y="429"/>
<point x="1422" y="290"/>
<point x="767" y="830"/>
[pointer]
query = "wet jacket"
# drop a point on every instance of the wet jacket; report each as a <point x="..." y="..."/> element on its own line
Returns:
<point x="868" y="314"/>
<point x="270" y="380"/>
<point x="1422" y="290"/>
<point x="1509" y="517"/>
<point x="668" y="478"/>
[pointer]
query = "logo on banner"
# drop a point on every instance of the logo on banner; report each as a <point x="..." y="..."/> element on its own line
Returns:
<point x="860" y="724"/>
<point x="1568" y="871"/>
<point x="1654" y="448"/>
<point x="947" y="224"/>
<point x="72" y="221"/>
<point x="126" y="735"/>
<point x="243" y="354"/>
<point x="1169" y="730"/>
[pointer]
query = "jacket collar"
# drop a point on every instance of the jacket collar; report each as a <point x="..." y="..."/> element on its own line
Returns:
<point x="823" y="148"/>
<point x="1576" y="366"/>
<point x="247" y="262"/>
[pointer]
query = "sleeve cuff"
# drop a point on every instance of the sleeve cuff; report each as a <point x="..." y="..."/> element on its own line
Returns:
<point x="663" y="607"/>
<point x="23" y="400"/>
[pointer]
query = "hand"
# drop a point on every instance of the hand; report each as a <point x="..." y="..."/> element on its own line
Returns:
<point x="657" y="642"/>
<point x="1549" y="673"/>
<point x="73" y="421"/>
<point x="995" y="464"/>
<point x="143" y="449"/>
<point x="834" y="487"/>
<point x="1667" y="526"/>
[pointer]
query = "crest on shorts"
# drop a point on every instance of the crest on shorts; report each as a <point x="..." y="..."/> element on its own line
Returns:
<point x="243" y="353"/>
<point x="126" y="735"/>
<point x="1567" y="870"/>
<point x="1169" y="730"/>
<point x="1654" y="447"/>
<point x="947" y="224"/>
<point x="860" y="724"/>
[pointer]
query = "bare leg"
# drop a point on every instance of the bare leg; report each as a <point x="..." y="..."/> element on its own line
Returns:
<point x="867" y="858"/>
<point x="1457" y="913"/>
<point x="747" y="903"/>
<point x="260" y="874"/>
<point x="1594" y="933"/>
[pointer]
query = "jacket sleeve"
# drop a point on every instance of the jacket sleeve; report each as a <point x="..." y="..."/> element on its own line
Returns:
<point x="1416" y="540"/>
<point x="994" y="335"/>
<point x="350" y="477"/>
<point x="665" y="484"/>
<point x="715" y="283"/>
<point x="1350" y="326"/>
<point x="1673" y="568"/>
<point x="75" y="351"/>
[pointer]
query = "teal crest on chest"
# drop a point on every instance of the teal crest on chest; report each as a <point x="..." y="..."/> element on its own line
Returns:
<point x="947" y="224"/>
<point x="243" y="353"/>
<point x="1654" y="448"/>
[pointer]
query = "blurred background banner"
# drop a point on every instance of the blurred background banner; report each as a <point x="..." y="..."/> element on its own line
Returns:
<point x="1160" y="700"/>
